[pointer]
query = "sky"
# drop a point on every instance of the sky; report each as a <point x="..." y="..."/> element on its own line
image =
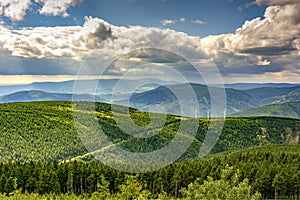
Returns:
<point x="247" y="40"/>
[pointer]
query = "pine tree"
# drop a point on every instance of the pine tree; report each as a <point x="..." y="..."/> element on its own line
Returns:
<point x="2" y="183"/>
<point x="279" y="184"/>
<point x="228" y="187"/>
<point x="132" y="189"/>
<point x="102" y="189"/>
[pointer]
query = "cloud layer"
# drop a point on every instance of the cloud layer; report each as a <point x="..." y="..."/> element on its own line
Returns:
<point x="260" y="47"/>
<point x="272" y="42"/>
<point x="77" y="41"/>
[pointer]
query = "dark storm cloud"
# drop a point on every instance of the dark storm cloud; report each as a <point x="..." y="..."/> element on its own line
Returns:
<point x="32" y="66"/>
<point x="269" y="50"/>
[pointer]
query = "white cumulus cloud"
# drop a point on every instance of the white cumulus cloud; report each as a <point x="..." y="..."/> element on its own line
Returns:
<point x="198" y="21"/>
<point x="77" y="41"/>
<point x="14" y="9"/>
<point x="167" y="22"/>
<point x="272" y="41"/>
<point x="182" y="19"/>
<point x="57" y="7"/>
<point x="275" y="2"/>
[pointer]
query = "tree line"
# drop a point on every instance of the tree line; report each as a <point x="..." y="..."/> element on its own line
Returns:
<point x="271" y="171"/>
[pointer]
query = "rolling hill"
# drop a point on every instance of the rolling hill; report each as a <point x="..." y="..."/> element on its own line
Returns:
<point x="290" y="110"/>
<point x="45" y="131"/>
<point x="272" y="95"/>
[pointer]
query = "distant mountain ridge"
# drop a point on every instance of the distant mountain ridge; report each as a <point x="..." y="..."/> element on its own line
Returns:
<point x="271" y="95"/>
<point x="247" y="102"/>
<point x="108" y="84"/>
<point x="236" y="100"/>
<point x="35" y="95"/>
<point x="247" y="86"/>
<point x="288" y="110"/>
<point x="102" y="86"/>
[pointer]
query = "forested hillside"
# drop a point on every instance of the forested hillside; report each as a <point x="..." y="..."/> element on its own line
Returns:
<point x="42" y="156"/>
<point x="236" y="100"/>
<point x="44" y="131"/>
<point x="290" y="109"/>
<point x="270" y="171"/>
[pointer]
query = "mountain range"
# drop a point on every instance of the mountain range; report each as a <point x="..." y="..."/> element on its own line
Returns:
<point x="35" y="95"/>
<point x="247" y="86"/>
<point x="236" y="100"/>
<point x="102" y="86"/>
<point x="288" y="110"/>
<point x="270" y="99"/>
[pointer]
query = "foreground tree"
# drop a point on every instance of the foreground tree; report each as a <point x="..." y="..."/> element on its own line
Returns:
<point x="228" y="187"/>
<point x="103" y="190"/>
<point x="132" y="189"/>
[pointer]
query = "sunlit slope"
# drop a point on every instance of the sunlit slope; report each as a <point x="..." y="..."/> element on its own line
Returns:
<point x="45" y="131"/>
